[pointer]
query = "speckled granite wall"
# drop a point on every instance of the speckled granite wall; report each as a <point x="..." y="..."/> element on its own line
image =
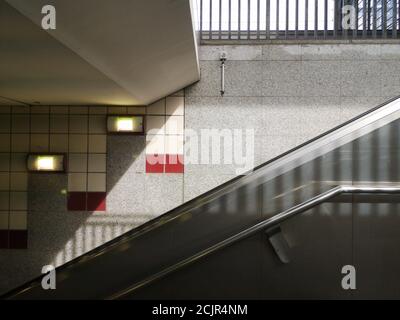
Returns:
<point x="287" y="94"/>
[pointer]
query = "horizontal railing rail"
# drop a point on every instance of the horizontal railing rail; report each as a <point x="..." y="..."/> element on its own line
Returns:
<point x="298" y="19"/>
<point x="263" y="225"/>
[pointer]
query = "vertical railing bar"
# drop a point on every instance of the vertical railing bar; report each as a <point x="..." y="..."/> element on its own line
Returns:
<point x="326" y="19"/>
<point x="287" y="19"/>
<point x="369" y="15"/>
<point x="364" y="34"/>
<point x="394" y="19"/>
<point x="316" y="19"/>
<point x="258" y="19"/>
<point x="277" y="19"/>
<point x="306" y="20"/>
<point x="355" y="31"/>
<point x="239" y="5"/>
<point x="267" y="19"/>
<point x="335" y="18"/>
<point x="210" y="32"/>
<point x="220" y="19"/>
<point x="201" y="19"/>
<point x="344" y="30"/>
<point x="297" y="20"/>
<point x="340" y="19"/>
<point x="248" y="19"/>
<point x="384" y="18"/>
<point x="374" y="20"/>
<point x="398" y="16"/>
<point x="229" y="19"/>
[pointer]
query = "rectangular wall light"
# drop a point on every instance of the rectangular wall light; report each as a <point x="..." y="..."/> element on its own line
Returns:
<point x="46" y="162"/>
<point x="126" y="124"/>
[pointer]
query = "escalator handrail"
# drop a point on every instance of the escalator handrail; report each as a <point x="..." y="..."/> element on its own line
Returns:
<point x="263" y="225"/>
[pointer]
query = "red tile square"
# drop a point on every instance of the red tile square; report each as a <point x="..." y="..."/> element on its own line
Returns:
<point x="18" y="239"/>
<point x="76" y="201"/>
<point x="174" y="163"/>
<point x="4" y="239"/>
<point x="155" y="163"/>
<point x="96" y="201"/>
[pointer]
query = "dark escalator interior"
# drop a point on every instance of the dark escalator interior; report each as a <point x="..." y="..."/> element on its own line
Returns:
<point x="298" y="256"/>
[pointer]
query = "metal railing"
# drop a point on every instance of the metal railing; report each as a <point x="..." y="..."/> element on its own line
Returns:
<point x="263" y="225"/>
<point x="298" y="19"/>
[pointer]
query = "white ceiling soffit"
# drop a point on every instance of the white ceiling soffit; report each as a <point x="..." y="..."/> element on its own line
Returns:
<point x="142" y="49"/>
<point x="34" y="67"/>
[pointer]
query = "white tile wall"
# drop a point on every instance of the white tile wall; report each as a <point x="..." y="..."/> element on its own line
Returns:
<point x="96" y="182"/>
<point x="175" y="106"/>
<point x="77" y="182"/>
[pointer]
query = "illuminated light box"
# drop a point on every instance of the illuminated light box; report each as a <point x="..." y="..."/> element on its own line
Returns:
<point x="46" y="162"/>
<point x="125" y="124"/>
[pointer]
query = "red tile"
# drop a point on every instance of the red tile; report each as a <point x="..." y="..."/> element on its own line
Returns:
<point x="155" y="163"/>
<point x="76" y="201"/>
<point x="4" y="239"/>
<point x="18" y="239"/>
<point x="174" y="163"/>
<point x="96" y="201"/>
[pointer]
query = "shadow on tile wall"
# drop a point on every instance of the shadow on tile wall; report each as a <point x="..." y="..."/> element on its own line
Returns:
<point x="55" y="234"/>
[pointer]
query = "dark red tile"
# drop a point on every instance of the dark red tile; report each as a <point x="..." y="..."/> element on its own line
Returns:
<point x="96" y="201"/>
<point x="4" y="239"/>
<point x="18" y="239"/>
<point x="76" y="201"/>
<point x="155" y="163"/>
<point x="174" y="163"/>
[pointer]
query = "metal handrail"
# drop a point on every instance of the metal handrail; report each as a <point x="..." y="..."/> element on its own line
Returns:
<point x="267" y="223"/>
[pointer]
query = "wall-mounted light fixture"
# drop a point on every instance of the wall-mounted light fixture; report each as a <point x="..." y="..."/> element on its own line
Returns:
<point x="46" y="162"/>
<point x="125" y="124"/>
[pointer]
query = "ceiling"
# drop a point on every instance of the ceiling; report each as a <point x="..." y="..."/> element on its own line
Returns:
<point x="122" y="52"/>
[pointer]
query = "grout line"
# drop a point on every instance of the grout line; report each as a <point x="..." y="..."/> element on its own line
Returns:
<point x="48" y="130"/>
<point x="9" y="182"/>
<point x="68" y="153"/>
<point x="105" y="169"/>
<point x="87" y="159"/>
<point x="184" y="142"/>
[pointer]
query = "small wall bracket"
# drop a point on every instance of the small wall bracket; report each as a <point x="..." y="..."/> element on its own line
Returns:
<point x="279" y="243"/>
<point x="222" y="59"/>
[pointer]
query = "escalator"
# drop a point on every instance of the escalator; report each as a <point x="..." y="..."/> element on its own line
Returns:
<point x="284" y="230"/>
